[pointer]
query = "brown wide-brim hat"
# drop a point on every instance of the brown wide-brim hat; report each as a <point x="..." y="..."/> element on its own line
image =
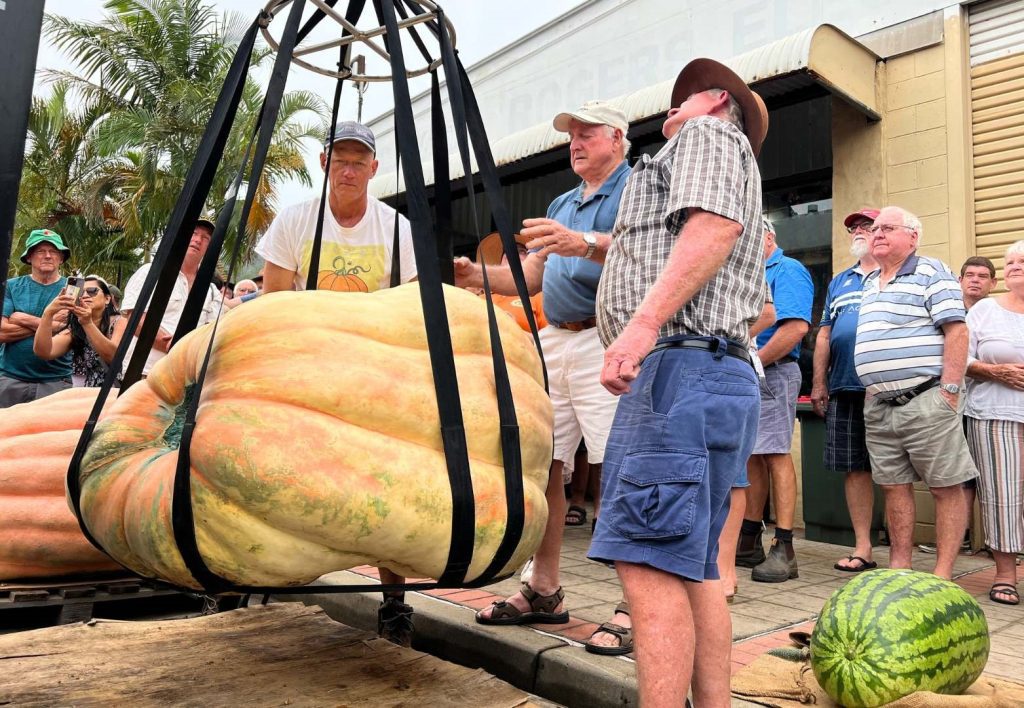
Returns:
<point x="490" y="251"/>
<point x="703" y="74"/>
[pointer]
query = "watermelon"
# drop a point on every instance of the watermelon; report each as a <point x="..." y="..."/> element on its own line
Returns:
<point x="889" y="633"/>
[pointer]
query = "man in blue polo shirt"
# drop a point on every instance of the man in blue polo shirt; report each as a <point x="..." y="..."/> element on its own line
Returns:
<point x="838" y="395"/>
<point x="911" y="354"/>
<point x="567" y="251"/>
<point x="778" y="348"/>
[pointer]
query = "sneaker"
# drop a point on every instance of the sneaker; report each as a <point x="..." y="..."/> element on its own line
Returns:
<point x="779" y="566"/>
<point x="750" y="551"/>
<point x="394" y="622"/>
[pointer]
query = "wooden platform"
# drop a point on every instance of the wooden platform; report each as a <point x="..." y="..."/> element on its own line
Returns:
<point x="273" y="655"/>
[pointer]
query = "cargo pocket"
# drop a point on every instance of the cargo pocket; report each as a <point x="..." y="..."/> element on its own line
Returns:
<point x="656" y="494"/>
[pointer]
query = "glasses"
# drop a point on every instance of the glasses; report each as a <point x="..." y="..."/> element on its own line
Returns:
<point x="889" y="228"/>
<point x="92" y="292"/>
<point x="864" y="226"/>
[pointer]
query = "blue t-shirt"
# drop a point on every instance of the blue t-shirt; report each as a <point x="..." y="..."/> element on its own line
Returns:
<point x="570" y="283"/>
<point x="842" y="306"/>
<point x="17" y="359"/>
<point x="792" y="291"/>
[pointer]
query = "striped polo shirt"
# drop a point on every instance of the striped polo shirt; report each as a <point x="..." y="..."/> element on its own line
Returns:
<point x="899" y="330"/>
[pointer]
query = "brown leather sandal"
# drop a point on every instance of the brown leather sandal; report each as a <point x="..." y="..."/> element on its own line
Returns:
<point x="625" y="635"/>
<point x="542" y="609"/>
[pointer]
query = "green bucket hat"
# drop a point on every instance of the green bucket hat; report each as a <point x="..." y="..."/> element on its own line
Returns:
<point x="45" y="235"/>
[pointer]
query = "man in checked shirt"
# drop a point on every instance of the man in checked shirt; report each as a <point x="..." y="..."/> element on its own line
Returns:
<point x="683" y="281"/>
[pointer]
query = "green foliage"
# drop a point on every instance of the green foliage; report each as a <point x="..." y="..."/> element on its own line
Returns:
<point x="109" y="150"/>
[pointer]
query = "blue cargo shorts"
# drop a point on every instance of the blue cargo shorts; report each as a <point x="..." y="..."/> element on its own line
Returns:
<point x="679" y="442"/>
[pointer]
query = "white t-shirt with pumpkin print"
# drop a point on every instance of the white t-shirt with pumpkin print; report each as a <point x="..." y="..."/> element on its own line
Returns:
<point x="352" y="259"/>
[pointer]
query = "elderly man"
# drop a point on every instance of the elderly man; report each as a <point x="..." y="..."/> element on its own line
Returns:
<point x="778" y="348"/>
<point x="357" y="244"/>
<point x="838" y="395"/>
<point x="197" y="246"/>
<point x="911" y="354"/>
<point x="25" y="377"/>
<point x="683" y="283"/>
<point x="567" y="252"/>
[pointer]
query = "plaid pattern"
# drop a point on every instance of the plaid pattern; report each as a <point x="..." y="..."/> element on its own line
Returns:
<point x="708" y="164"/>
<point x="846" y="447"/>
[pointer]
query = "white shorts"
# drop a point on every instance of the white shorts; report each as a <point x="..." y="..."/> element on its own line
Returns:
<point x="583" y="407"/>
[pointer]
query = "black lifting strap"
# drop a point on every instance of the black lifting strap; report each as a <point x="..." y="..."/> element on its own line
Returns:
<point x="163" y="273"/>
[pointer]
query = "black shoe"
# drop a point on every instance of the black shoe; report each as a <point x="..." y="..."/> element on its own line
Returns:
<point x="749" y="550"/>
<point x="779" y="566"/>
<point x="394" y="622"/>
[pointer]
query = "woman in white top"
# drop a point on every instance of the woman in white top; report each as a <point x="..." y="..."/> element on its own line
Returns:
<point x="995" y="421"/>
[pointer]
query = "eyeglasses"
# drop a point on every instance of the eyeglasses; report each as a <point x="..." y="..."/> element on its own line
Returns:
<point x="889" y="228"/>
<point x="864" y="226"/>
<point x="92" y="292"/>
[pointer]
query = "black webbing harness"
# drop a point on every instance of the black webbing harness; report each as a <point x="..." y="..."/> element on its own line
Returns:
<point x="432" y="238"/>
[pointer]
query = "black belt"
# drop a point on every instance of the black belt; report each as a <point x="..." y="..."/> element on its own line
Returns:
<point x="708" y="345"/>
<point x="789" y="359"/>
<point x="907" y="396"/>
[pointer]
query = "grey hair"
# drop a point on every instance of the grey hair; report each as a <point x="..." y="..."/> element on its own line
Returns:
<point x="625" y="140"/>
<point x="733" y="112"/>
<point x="910" y="221"/>
<point x="1016" y="249"/>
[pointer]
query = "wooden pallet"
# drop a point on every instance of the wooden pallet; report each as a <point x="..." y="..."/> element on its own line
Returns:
<point x="74" y="600"/>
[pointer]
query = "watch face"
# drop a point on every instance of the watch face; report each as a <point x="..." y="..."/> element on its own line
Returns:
<point x="590" y="239"/>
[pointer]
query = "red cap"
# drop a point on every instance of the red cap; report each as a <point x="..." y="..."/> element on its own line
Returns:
<point x="863" y="213"/>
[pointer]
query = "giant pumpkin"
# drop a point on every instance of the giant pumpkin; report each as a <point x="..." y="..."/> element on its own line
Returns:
<point x="39" y="536"/>
<point x="317" y="443"/>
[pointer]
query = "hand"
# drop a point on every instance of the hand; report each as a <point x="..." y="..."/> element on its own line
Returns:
<point x="551" y="237"/>
<point x="83" y="313"/>
<point x="953" y="399"/>
<point x="819" y="398"/>
<point x="622" y="359"/>
<point x="162" y="342"/>
<point x="1011" y="375"/>
<point x="59" y="306"/>
<point x="467" y="273"/>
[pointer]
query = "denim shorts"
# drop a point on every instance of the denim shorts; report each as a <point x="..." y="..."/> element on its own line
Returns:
<point x="679" y="442"/>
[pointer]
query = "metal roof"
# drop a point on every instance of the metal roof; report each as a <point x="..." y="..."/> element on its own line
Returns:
<point x="815" y="55"/>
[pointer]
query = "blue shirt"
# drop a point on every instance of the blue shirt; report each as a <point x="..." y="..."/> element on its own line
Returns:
<point x="570" y="282"/>
<point x="842" y="305"/>
<point x="17" y="359"/>
<point x="792" y="291"/>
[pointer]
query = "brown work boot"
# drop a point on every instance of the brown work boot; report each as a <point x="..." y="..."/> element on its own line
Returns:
<point x="749" y="550"/>
<point x="779" y="566"/>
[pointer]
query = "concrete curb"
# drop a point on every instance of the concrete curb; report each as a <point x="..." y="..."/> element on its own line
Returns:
<point x="545" y="665"/>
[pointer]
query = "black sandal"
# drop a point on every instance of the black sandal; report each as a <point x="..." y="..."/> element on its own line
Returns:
<point x="1004" y="589"/>
<point x="542" y="609"/>
<point x="625" y="635"/>
<point x="575" y="516"/>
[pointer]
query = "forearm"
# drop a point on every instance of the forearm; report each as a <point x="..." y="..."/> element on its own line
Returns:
<point x="500" y="280"/>
<point x="104" y="346"/>
<point x="983" y="372"/>
<point x="24" y="320"/>
<point x="42" y="343"/>
<point x="822" y="351"/>
<point x="787" y="336"/>
<point x="954" y="352"/>
<point x="765" y="320"/>
<point x="11" y="332"/>
<point x="604" y="242"/>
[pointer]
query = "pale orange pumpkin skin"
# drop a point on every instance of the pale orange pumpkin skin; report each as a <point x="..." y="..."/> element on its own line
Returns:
<point x="317" y="444"/>
<point x="39" y="535"/>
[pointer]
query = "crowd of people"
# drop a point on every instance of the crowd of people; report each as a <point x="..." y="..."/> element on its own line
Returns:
<point x="665" y="307"/>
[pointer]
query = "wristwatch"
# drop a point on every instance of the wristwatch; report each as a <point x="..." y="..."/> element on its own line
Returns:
<point x="591" y="240"/>
<point x="950" y="388"/>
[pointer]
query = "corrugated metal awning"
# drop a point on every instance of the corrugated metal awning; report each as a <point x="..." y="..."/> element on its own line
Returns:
<point x="822" y="55"/>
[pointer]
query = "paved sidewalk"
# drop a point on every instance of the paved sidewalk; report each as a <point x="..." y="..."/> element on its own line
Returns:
<point x="549" y="661"/>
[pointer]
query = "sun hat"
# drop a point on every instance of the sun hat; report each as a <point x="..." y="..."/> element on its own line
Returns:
<point x="45" y="236"/>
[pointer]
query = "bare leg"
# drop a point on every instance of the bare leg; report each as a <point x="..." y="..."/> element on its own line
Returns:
<point x="728" y="538"/>
<point x="713" y="627"/>
<point x="757" y="493"/>
<point x="949" y="527"/>
<point x="389" y="578"/>
<point x="783" y="474"/>
<point x="970" y="493"/>
<point x="860" y="500"/>
<point x="899" y="515"/>
<point x="580" y="481"/>
<point x="594" y="488"/>
<point x="546" y="559"/>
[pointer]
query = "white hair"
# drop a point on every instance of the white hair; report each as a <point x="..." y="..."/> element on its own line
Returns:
<point x="1016" y="249"/>
<point x="909" y="220"/>
<point x="733" y="112"/>
<point x="625" y="141"/>
<point x="240" y="283"/>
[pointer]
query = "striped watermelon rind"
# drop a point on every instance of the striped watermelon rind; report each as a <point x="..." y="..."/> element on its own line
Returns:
<point x="889" y="633"/>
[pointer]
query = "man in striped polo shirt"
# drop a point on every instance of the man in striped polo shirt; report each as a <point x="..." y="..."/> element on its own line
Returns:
<point x="911" y="354"/>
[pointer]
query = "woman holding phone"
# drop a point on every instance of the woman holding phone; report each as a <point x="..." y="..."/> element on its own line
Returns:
<point x="87" y="337"/>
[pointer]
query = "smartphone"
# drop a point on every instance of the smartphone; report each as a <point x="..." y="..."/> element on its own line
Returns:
<point x="73" y="289"/>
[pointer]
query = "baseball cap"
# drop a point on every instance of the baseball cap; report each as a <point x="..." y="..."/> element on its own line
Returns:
<point x="45" y="236"/>
<point x="594" y="113"/>
<point x="871" y="214"/>
<point x="351" y="130"/>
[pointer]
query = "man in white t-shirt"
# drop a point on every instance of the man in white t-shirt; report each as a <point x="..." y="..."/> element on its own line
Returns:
<point x="190" y="265"/>
<point x="355" y="256"/>
<point x="359" y="230"/>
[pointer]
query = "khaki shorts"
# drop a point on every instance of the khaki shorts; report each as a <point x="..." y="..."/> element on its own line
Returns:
<point x="923" y="440"/>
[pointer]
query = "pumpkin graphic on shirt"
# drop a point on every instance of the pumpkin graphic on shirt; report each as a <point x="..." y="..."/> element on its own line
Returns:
<point x="353" y="269"/>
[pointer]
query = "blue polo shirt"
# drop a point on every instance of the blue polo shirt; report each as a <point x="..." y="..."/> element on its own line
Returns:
<point x="792" y="291"/>
<point x="842" y="305"/>
<point x="17" y="359"/>
<point x="570" y="283"/>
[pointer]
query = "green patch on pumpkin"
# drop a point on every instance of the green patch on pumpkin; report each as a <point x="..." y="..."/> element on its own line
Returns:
<point x="172" y="435"/>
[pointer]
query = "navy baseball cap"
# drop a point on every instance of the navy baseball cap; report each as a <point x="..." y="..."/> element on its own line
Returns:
<point x="351" y="130"/>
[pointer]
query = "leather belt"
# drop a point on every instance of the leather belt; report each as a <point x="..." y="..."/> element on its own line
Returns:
<point x="588" y="323"/>
<point x="788" y="359"/>
<point x="731" y="349"/>
<point x="907" y="396"/>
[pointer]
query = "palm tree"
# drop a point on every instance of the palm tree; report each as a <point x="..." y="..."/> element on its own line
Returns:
<point x="157" y="67"/>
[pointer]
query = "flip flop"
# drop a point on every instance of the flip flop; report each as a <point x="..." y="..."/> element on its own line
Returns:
<point x="1004" y="589"/>
<point x="575" y="516"/>
<point x="864" y="565"/>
